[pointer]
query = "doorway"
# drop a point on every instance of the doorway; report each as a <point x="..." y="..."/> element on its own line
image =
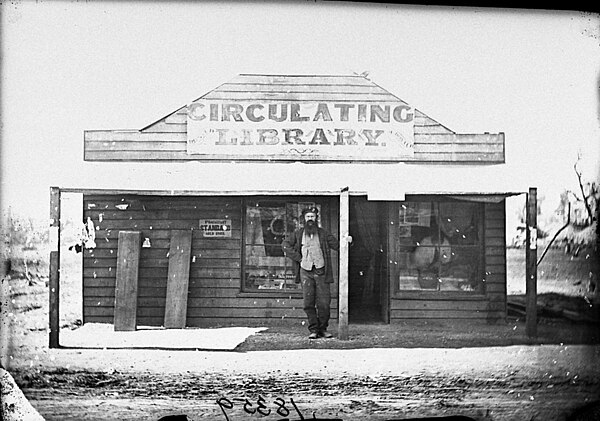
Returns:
<point x="367" y="286"/>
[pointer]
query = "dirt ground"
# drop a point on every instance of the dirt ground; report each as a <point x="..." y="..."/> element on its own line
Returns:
<point x="383" y="372"/>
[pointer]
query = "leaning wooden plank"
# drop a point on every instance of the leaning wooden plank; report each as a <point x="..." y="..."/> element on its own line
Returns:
<point x="178" y="280"/>
<point x="128" y="257"/>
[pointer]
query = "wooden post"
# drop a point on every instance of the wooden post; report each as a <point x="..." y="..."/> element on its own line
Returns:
<point x="531" y="263"/>
<point x="343" y="272"/>
<point x="384" y="284"/>
<point x="392" y="249"/>
<point x="54" y="275"/>
<point x="178" y="279"/>
<point x="128" y="257"/>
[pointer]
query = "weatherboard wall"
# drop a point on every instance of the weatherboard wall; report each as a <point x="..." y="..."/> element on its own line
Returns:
<point x="215" y="296"/>
<point x="214" y="290"/>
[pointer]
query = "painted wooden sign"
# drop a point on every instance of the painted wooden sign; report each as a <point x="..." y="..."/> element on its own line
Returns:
<point x="215" y="228"/>
<point x="300" y="130"/>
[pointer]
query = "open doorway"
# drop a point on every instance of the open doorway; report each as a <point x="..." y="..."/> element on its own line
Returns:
<point x="367" y="301"/>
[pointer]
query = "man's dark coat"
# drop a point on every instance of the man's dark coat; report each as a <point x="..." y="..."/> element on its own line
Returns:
<point x="292" y="248"/>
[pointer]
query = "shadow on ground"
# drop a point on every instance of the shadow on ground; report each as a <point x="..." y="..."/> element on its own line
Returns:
<point x="428" y="334"/>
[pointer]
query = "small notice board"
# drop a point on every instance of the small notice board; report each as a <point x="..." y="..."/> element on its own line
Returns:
<point x="215" y="227"/>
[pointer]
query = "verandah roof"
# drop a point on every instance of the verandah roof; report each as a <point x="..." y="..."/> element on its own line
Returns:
<point x="378" y="181"/>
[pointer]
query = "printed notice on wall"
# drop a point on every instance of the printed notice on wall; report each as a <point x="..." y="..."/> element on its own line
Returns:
<point x="215" y="227"/>
<point x="300" y="130"/>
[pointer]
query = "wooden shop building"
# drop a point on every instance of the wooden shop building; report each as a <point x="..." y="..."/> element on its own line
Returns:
<point x="188" y="213"/>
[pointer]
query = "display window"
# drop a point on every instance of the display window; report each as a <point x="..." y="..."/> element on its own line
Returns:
<point x="439" y="246"/>
<point x="267" y="222"/>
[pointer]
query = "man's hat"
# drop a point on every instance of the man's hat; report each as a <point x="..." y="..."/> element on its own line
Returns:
<point x="312" y="209"/>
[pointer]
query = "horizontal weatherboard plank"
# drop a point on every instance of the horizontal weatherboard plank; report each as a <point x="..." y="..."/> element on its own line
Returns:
<point x="492" y="158"/>
<point x="229" y="274"/>
<point x="208" y="321"/>
<point x="439" y="138"/>
<point x="299" y="88"/>
<point x="195" y="302"/>
<point x="205" y="312"/>
<point x="203" y="286"/>
<point x="308" y="97"/>
<point x="132" y="135"/>
<point x="300" y="80"/>
<point x="136" y="145"/>
<point x="430" y="129"/>
<point x="445" y="314"/>
<point x="478" y="148"/>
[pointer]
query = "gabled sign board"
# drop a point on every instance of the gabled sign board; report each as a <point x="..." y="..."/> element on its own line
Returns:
<point x="300" y="118"/>
<point x="300" y="130"/>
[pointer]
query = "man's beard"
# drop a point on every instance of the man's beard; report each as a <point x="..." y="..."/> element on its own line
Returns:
<point x="311" y="227"/>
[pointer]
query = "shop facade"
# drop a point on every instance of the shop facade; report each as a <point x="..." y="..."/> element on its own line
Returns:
<point x="422" y="203"/>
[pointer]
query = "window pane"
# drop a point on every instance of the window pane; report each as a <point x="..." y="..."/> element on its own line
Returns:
<point x="267" y="224"/>
<point x="459" y="223"/>
<point x="418" y="246"/>
<point x="438" y="246"/>
<point x="264" y="272"/>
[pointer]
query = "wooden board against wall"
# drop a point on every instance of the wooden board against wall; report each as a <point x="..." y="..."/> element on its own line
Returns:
<point x="178" y="279"/>
<point x="128" y="256"/>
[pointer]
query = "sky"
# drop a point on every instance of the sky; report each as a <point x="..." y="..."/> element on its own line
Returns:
<point x="74" y="66"/>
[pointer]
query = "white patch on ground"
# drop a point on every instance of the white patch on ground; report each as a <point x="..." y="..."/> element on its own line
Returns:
<point x="101" y="335"/>
<point x="15" y="407"/>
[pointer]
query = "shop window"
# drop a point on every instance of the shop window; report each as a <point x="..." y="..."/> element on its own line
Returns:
<point x="267" y="223"/>
<point x="439" y="247"/>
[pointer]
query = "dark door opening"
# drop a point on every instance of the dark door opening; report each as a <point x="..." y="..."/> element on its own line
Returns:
<point x="366" y="261"/>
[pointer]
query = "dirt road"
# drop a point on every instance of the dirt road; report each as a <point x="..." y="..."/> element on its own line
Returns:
<point x="149" y="397"/>
<point x="498" y="383"/>
<point x="487" y="372"/>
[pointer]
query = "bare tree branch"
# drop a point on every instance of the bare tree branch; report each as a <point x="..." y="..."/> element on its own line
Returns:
<point x="556" y="235"/>
<point x="577" y="198"/>
<point x="585" y="198"/>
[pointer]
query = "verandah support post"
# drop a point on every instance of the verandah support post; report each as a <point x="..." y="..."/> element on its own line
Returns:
<point x="531" y="263"/>
<point x="54" y="273"/>
<point x="343" y="272"/>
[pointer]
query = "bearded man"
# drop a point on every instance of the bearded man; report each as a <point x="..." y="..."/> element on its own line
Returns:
<point x="309" y="248"/>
